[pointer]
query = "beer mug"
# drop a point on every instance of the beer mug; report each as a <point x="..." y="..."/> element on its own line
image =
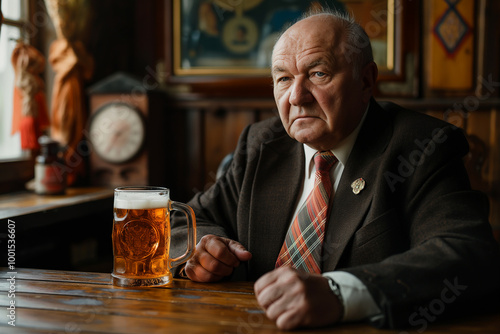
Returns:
<point x="141" y="236"/>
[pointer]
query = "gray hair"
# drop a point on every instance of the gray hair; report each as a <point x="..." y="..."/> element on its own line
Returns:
<point x="356" y="45"/>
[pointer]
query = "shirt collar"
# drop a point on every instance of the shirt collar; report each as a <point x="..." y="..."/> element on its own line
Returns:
<point x="341" y="151"/>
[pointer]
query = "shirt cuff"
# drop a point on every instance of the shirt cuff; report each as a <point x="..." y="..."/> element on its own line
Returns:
<point x="358" y="302"/>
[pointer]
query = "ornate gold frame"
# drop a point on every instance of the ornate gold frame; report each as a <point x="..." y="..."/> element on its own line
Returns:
<point x="389" y="19"/>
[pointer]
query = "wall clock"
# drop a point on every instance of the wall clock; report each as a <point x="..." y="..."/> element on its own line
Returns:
<point x="127" y="124"/>
<point x="117" y="132"/>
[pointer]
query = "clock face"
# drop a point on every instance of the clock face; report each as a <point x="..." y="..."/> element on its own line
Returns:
<point x="117" y="132"/>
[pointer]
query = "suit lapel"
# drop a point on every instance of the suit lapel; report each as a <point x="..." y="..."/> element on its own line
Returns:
<point x="277" y="182"/>
<point x="349" y="210"/>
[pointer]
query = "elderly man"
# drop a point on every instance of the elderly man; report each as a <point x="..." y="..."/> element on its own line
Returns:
<point x="345" y="209"/>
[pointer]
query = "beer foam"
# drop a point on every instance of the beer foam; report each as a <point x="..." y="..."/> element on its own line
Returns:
<point x="140" y="201"/>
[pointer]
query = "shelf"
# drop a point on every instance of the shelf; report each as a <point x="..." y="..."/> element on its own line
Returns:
<point x="38" y="210"/>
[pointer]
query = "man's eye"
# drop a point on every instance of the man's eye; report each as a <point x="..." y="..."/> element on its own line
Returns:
<point x="319" y="74"/>
<point x="283" y="79"/>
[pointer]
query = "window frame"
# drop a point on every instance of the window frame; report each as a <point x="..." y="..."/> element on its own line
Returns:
<point x="14" y="173"/>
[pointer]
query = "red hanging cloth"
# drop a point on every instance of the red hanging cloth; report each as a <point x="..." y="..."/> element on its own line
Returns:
<point x="30" y="116"/>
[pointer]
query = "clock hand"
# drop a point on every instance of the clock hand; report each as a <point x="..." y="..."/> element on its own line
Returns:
<point x="113" y="140"/>
<point x="118" y="133"/>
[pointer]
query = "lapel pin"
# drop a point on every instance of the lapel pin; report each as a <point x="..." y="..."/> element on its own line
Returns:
<point x="357" y="186"/>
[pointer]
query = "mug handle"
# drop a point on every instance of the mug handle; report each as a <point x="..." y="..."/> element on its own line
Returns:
<point x="191" y="231"/>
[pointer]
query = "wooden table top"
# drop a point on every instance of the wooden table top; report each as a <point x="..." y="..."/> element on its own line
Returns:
<point x="48" y="301"/>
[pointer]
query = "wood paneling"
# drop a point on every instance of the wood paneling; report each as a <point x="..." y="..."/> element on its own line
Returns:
<point x="211" y="131"/>
<point x="225" y="127"/>
<point x="449" y="43"/>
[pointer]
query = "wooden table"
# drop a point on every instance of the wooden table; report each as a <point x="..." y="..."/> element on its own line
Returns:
<point x="49" y="301"/>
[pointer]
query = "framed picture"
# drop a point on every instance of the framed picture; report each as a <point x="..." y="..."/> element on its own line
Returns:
<point x="236" y="37"/>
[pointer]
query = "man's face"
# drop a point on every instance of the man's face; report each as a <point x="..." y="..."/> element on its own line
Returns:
<point x="319" y="100"/>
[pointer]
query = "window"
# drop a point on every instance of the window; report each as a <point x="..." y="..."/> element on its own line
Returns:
<point x="15" y="21"/>
<point x="16" y="166"/>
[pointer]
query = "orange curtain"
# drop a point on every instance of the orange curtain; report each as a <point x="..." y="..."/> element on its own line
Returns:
<point x="72" y="65"/>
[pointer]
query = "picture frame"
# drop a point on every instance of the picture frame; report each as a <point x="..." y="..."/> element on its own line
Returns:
<point x="234" y="38"/>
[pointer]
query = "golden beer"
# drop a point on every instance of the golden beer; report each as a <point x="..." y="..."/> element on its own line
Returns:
<point x="140" y="242"/>
<point x="141" y="236"/>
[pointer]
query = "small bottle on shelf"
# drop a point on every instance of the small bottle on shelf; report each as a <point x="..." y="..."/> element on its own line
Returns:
<point x="50" y="169"/>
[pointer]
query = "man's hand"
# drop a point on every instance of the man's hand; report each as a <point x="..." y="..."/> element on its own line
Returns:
<point x="215" y="257"/>
<point x="294" y="298"/>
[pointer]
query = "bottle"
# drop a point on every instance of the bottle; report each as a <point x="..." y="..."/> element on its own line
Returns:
<point x="50" y="169"/>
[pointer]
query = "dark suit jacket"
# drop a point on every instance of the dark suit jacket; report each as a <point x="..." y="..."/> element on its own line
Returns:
<point x="414" y="230"/>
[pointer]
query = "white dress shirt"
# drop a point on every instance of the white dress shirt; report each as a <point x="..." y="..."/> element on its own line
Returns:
<point x="358" y="303"/>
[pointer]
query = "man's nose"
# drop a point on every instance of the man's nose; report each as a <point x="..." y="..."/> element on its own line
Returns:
<point x="300" y="93"/>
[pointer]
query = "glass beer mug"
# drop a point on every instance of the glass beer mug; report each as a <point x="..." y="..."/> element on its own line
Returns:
<point x="141" y="236"/>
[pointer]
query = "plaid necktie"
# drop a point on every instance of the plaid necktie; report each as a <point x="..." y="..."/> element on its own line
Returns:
<point x="303" y="241"/>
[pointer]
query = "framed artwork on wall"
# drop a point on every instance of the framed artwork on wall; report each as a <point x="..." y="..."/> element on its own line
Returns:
<point x="236" y="37"/>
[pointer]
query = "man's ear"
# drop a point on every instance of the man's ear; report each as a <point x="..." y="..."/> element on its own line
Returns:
<point x="369" y="78"/>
